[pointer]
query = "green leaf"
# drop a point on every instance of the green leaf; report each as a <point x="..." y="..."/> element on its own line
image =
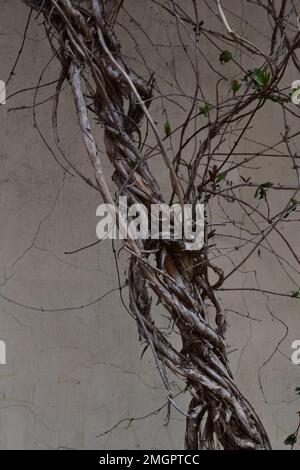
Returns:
<point x="258" y="79"/>
<point x="259" y="76"/>
<point x="268" y="184"/>
<point x="205" y="109"/>
<point x="235" y="86"/>
<point x="274" y="98"/>
<point x="262" y="77"/>
<point x="168" y="128"/>
<point x="262" y="189"/>
<point x="225" y="57"/>
<point x="295" y="293"/>
<point x="291" y="440"/>
<point x="221" y="177"/>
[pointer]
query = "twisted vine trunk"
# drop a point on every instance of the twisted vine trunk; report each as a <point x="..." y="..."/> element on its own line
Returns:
<point x="218" y="415"/>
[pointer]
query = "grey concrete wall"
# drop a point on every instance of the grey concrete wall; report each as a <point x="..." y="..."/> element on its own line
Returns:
<point x="75" y="371"/>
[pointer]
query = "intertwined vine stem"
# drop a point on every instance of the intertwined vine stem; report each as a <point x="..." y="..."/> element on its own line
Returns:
<point x="103" y="83"/>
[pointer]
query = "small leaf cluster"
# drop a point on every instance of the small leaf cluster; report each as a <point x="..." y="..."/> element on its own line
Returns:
<point x="261" y="192"/>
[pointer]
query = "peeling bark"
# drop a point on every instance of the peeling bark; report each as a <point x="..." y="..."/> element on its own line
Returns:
<point x="218" y="414"/>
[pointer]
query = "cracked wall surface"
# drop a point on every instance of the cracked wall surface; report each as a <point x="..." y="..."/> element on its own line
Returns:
<point x="74" y="377"/>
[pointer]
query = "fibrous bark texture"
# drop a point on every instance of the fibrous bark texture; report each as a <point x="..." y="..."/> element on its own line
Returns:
<point x="82" y="37"/>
